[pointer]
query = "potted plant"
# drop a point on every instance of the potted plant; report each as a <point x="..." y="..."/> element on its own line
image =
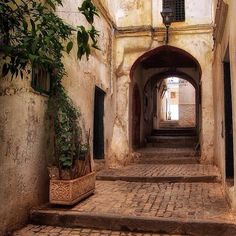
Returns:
<point x="42" y="38"/>
<point x="70" y="185"/>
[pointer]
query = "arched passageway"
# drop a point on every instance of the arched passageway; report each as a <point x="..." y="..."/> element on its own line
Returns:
<point x="152" y="74"/>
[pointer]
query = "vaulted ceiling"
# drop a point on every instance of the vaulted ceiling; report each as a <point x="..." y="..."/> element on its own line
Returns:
<point x="168" y="57"/>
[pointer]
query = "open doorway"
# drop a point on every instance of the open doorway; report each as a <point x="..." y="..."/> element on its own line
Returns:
<point x="176" y="103"/>
<point x="98" y="129"/>
<point x="229" y="155"/>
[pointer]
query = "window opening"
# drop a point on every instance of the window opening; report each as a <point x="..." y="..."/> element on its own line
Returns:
<point x="178" y="8"/>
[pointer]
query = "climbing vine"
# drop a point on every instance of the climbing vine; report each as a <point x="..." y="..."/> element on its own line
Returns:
<point x="31" y="34"/>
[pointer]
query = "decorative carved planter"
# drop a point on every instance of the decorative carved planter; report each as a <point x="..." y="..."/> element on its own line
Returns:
<point x="69" y="192"/>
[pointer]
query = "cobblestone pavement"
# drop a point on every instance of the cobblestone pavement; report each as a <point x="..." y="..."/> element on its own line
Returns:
<point x="149" y="170"/>
<point x="177" y="200"/>
<point x="57" y="231"/>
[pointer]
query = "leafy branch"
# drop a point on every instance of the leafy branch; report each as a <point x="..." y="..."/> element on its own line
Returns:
<point x="31" y="34"/>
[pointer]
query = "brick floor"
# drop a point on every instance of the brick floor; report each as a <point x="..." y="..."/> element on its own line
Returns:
<point x="151" y="170"/>
<point x="167" y="200"/>
<point x="58" y="231"/>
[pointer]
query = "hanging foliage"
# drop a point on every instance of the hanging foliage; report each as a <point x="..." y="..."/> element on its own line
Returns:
<point x="32" y="34"/>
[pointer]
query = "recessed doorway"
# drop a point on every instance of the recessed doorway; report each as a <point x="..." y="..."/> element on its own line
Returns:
<point x="98" y="129"/>
<point x="229" y="155"/>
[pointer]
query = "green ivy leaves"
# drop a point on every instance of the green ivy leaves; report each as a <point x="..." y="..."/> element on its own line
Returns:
<point x="88" y="10"/>
<point x="69" y="47"/>
<point x="31" y="33"/>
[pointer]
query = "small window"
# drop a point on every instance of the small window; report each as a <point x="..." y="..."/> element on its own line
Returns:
<point x="178" y="7"/>
<point x="40" y="80"/>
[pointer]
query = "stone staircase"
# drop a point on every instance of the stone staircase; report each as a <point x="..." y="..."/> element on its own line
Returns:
<point x="173" y="138"/>
<point x="166" y="191"/>
<point x="154" y="155"/>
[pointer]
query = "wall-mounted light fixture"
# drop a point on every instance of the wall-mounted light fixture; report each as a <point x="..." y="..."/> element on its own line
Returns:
<point x="167" y="15"/>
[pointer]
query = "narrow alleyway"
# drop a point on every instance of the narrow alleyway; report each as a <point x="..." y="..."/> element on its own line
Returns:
<point x="165" y="191"/>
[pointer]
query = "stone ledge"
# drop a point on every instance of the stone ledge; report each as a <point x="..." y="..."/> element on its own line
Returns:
<point x="133" y="223"/>
<point x="161" y="179"/>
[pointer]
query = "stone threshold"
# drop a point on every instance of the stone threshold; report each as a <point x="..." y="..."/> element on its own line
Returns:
<point x="70" y="218"/>
<point x="161" y="179"/>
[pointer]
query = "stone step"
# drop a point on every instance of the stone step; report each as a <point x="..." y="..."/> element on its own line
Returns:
<point x="166" y="160"/>
<point x="134" y="223"/>
<point x="160" y="179"/>
<point x="169" y="124"/>
<point x="171" y="141"/>
<point x="44" y="230"/>
<point x="154" y="155"/>
<point x="152" y="173"/>
<point x="174" y="132"/>
<point x="196" y="209"/>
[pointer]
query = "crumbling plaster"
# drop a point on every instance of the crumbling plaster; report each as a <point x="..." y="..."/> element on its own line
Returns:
<point x="23" y="154"/>
<point x="228" y="41"/>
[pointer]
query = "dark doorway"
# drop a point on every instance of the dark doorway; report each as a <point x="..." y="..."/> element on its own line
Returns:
<point x="229" y="156"/>
<point x="98" y="130"/>
<point x="136" y="116"/>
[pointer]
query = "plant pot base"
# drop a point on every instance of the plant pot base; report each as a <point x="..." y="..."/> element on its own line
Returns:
<point x="69" y="192"/>
<point x="70" y="203"/>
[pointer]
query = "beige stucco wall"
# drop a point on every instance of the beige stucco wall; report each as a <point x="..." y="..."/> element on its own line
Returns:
<point x="228" y="39"/>
<point x="24" y="142"/>
<point x="129" y="12"/>
<point x="196" y="12"/>
<point x="126" y="13"/>
<point x="23" y="155"/>
<point x="83" y="76"/>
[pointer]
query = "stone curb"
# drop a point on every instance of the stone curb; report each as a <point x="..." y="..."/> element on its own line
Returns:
<point x="133" y="223"/>
<point x="161" y="179"/>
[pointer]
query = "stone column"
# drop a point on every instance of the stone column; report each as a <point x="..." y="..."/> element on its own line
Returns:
<point x="119" y="155"/>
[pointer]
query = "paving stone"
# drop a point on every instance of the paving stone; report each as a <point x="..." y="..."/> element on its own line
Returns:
<point x="28" y="231"/>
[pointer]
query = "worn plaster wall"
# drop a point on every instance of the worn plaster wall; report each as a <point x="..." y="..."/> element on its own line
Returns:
<point x="83" y="76"/>
<point x="226" y="39"/>
<point x="24" y="142"/>
<point x="130" y="12"/>
<point x="193" y="36"/>
<point x="197" y="12"/>
<point x="23" y="156"/>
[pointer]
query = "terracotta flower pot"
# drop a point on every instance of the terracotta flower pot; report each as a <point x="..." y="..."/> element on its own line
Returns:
<point x="69" y="192"/>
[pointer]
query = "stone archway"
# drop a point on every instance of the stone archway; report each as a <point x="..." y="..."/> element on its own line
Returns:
<point x="157" y="64"/>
